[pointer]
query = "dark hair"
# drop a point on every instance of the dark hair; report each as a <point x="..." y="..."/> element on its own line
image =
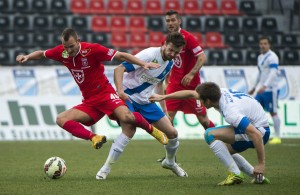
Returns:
<point x="172" y="12"/>
<point x="265" y="38"/>
<point x="209" y="90"/>
<point x="69" y="32"/>
<point x="176" y="38"/>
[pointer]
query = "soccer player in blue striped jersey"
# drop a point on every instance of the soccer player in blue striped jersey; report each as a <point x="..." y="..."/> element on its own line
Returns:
<point x="266" y="86"/>
<point x="248" y="128"/>
<point x="135" y="85"/>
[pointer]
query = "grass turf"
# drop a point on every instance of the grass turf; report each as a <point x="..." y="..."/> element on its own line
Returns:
<point x="137" y="172"/>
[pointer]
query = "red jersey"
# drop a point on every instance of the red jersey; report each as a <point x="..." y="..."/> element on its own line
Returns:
<point x="86" y="67"/>
<point x="185" y="61"/>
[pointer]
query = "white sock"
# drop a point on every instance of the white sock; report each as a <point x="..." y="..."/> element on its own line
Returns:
<point x="276" y="122"/>
<point x="243" y="164"/>
<point x="221" y="151"/>
<point x="115" y="151"/>
<point x="171" y="149"/>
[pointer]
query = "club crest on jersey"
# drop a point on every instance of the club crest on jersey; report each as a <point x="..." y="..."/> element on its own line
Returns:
<point x="84" y="62"/>
<point x="155" y="61"/>
<point x="177" y="61"/>
<point x="78" y="75"/>
<point x="85" y="52"/>
<point x="65" y="54"/>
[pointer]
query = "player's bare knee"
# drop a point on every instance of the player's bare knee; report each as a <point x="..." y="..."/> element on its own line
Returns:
<point x="172" y="134"/>
<point x="127" y="118"/>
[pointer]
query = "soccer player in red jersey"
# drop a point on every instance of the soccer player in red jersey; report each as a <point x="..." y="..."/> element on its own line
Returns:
<point x="185" y="73"/>
<point x="84" y="61"/>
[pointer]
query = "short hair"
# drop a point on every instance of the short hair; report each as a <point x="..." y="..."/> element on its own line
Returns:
<point x="265" y="38"/>
<point x="176" y="39"/>
<point x="209" y="90"/>
<point x="69" y="32"/>
<point x="172" y="12"/>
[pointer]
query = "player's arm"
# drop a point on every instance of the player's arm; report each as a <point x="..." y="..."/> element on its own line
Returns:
<point x="183" y="94"/>
<point x="122" y="56"/>
<point x="118" y="79"/>
<point x="160" y="91"/>
<point x="36" y="55"/>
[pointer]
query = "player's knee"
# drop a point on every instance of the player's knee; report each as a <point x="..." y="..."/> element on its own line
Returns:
<point x="127" y="118"/>
<point x="209" y="137"/>
<point x="172" y="134"/>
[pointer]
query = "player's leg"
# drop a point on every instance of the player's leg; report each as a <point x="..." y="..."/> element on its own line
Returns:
<point x="273" y="105"/>
<point x="215" y="138"/>
<point x="205" y="121"/>
<point x="70" y="121"/>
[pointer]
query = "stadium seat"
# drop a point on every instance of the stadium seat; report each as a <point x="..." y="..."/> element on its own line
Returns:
<point x="79" y="23"/>
<point x="59" y="23"/>
<point x="5" y="6"/>
<point x="291" y="57"/>
<point x="235" y="57"/>
<point x="41" y="23"/>
<point x="136" y="50"/>
<point x="199" y="38"/>
<point x="214" y="40"/>
<point x="118" y="24"/>
<point x="156" y="38"/>
<point x="251" y="40"/>
<point x="251" y="57"/>
<point x="250" y="24"/>
<point x="231" y="25"/>
<point x="154" y="7"/>
<point x="42" y="40"/>
<point x="212" y="24"/>
<point x="5" y="58"/>
<point x="269" y="25"/>
<point x="229" y="7"/>
<point x="119" y="40"/>
<point x="22" y="39"/>
<point x="290" y="41"/>
<point x="156" y="24"/>
<point x="172" y="5"/>
<point x="248" y="7"/>
<point x="193" y="24"/>
<point x="191" y="7"/>
<point x="210" y="7"/>
<point x="56" y="38"/>
<point x="137" y="23"/>
<point x="215" y="57"/>
<point x="101" y="38"/>
<point x="100" y="24"/>
<point x="274" y="40"/>
<point x="233" y="40"/>
<point x="79" y="7"/>
<point x="97" y="7"/>
<point x="59" y="6"/>
<point x="5" y="23"/>
<point x="5" y="40"/>
<point x="20" y="6"/>
<point x="22" y="22"/>
<point x="40" y="6"/>
<point x="135" y="7"/>
<point x="116" y="7"/>
<point x="138" y="39"/>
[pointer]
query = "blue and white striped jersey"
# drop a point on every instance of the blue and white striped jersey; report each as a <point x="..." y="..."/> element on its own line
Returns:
<point x="139" y="83"/>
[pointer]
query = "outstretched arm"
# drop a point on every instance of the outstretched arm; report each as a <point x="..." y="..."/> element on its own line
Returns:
<point x="118" y="79"/>
<point x="122" y="56"/>
<point x="184" y="94"/>
<point x="36" y="55"/>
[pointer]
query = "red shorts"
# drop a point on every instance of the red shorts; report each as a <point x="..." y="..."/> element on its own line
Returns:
<point x="99" y="105"/>
<point x="188" y="106"/>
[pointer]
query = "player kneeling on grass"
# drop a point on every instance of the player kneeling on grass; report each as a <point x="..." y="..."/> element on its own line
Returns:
<point x="248" y="128"/>
<point x="138" y="84"/>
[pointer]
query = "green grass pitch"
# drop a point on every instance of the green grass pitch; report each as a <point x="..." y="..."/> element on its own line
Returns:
<point x="137" y="172"/>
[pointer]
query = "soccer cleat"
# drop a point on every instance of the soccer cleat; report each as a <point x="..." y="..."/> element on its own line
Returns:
<point x="102" y="174"/>
<point x="232" y="179"/>
<point x="160" y="136"/>
<point x="163" y="158"/>
<point x="98" y="141"/>
<point x="265" y="181"/>
<point x="275" y="140"/>
<point x="175" y="168"/>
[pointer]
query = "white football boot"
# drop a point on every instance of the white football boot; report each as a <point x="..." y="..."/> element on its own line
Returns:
<point x="175" y="168"/>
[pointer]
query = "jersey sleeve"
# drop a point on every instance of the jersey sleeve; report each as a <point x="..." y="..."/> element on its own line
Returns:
<point x="235" y="118"/>
<point x="144" y="55"/>
<point x="54" y="53"/>
<point x="193" y="45"/>
<point x="104" y="53"/>
<point x="273" y="62"/>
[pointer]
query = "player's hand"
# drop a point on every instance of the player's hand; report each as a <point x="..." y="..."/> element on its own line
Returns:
<point x="156" y="98"/>
<point x="124" y="97"/>
<point x="259" y="173"/>
<point x="186" y="80"/>
<point x="251" y="91"/>
<point x="21" y="58"/>
<point x="262" y="89"/>
<point x="151" y="65"/>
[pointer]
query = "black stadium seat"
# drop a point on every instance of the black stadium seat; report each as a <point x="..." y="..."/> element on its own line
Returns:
<point x="40" y="6"/>
<point x="5" y="23"/>
<point x="156" y="24"/>
<point x="22" y="22"/>
<point x="22" y="39"/>
<point x="5" y="6"/>
<point x="59" y="23"/>
<point x="41" y="23"/>
<point x="5" y="40"/>
<point x="101" y="38"/>
<point x="248" y="7"/>
<point x="193" y="24"/>
<point x="251" y="57"/>
<point x="216" y="57"/>
<point x="212" y="24"/>
<point x="79" y="23"/>
<point x="233" y="40"/>
<point x="21" y="6"/>
<point x="59" y="6"/>
<point x="291" y="57"/>
<point x="42" y="40"/>
<point x="269" y="25"/>
<point x="231" y="25"/>
<point x="5" y="58"/>
<point x="235" y="57"/>
<point x="250" y="24"/>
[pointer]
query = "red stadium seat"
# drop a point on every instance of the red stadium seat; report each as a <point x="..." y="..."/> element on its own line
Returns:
<point x="118" y="23"/>
<point x="138" y="39"/>
<point x="172" y="5"/>
<point x="154" y="7"/>
<point x="137" y="23"/>
<point x="156" y="38"/>
<point x="199" y="38"/>
<point x="136" y="50"/>
<point x="191" y="7"/>
<point x="100" y="24"/>
<point x="119" y="40"/>
<point x="97" y="7"/>
<point x="79" y="6"/>
<point x="210" y="7"/>
<point x="214" y="40"/>
<point x="116" y="7"/>
<point x="135" y="7"/>
<point x="229" y="7"/>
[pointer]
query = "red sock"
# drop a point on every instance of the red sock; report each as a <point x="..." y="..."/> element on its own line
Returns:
<point x="141" y="122"/>
<point x="211" y="124"/>
<point x="77" y="130"/>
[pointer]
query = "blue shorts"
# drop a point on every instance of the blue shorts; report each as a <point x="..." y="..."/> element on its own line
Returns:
<point x="268" y="100"/>
<point x="151" y="112"/>
<point x="242" y="141"/>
